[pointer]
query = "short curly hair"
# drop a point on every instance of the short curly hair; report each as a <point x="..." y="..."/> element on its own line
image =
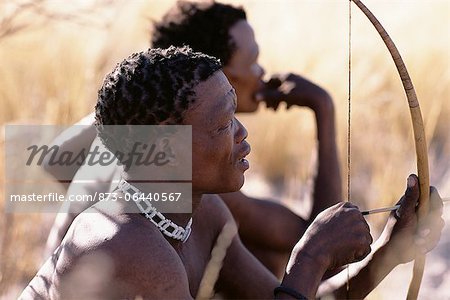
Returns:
<point x="204" y="26"/>
<point x="149" y="88"/>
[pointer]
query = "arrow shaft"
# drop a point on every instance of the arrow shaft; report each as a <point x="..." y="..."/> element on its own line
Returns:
<point x="386" y="209"/>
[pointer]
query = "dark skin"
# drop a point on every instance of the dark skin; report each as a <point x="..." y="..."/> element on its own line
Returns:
<point x="398" y="243"/>
<point x="271" y="244"/>
<point x="112" y="246"/>
<point x="174" y="269"/>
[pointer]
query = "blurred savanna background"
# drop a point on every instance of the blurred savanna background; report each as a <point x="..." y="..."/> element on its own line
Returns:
<point x="54" y="55"/>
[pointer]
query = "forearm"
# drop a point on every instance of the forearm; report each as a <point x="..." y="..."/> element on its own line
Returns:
<point x="256" y="282"/>
<point x="327" y="182"/>
<point x="242" y="276"/>
<point x="370" y="276"/>
<point x="365" y="275"/>
<point x="303" y="276"/>
<point x="76" y="139"/>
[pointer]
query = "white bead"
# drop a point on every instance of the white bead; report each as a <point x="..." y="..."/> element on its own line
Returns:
<point x="179" y="233"/>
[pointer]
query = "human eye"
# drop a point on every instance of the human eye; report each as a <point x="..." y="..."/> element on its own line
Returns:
<point x="225" y="127"/>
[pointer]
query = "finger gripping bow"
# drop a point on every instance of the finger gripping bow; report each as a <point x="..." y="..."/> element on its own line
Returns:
<point x="419" y="138"/>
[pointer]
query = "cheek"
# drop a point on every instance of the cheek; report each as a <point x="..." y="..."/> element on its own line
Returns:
<point x="246" y="77"/>
<point x="223" y="147"/>
<point x="214" y="153"/>
<point x="251" y="76"/>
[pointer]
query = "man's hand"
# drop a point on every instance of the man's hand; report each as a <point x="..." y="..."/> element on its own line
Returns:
<point x="294" y="90"/>
<point x="339" y="235"/>
<point x="401" y="232"/>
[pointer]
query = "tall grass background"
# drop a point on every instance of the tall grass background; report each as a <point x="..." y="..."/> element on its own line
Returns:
<point x="53" y="64"/>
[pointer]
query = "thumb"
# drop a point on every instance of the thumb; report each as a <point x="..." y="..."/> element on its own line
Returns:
<point x="409" y="201"/>
<point x="272" y="97"/>
<point x="436" y="203"/>
<point x="274" y="82"/>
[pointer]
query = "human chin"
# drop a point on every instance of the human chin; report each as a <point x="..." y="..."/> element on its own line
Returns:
<point x="241" y="182"/>
<point x="241" y="166"/>
<point x="237" y="183"/>
<point x="234" y="181"/>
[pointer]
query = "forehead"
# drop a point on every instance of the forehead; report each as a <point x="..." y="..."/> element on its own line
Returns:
<point x="212" y="98"/>
<point x="244" y="38"/>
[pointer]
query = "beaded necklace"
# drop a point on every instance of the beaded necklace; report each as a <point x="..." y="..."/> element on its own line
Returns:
<point x="166" y="226"/>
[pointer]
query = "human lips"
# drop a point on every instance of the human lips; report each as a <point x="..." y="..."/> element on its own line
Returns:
<point x="257" y="95"/>
<point x="242" y="162"/>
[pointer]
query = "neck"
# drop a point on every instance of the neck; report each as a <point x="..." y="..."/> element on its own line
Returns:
<point x="180" y="219"/>
<point x="183" y="218"/>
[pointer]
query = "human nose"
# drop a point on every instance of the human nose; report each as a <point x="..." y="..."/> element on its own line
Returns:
<point x="258" y="71"/>
<point x="241" y="133"/>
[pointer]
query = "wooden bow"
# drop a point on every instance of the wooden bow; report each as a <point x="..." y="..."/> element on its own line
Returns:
<point x="419" y="137"/>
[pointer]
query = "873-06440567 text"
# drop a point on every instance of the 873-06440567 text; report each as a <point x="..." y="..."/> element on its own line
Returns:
<point x="57" y="197"/>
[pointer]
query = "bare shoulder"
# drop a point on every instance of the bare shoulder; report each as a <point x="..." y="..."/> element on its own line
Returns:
<point x="112" y="255"/>
<point x="143" y="262"/>
<point x="215" y="210"/>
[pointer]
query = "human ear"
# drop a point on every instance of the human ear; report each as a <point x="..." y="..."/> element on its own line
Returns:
<point x="165" y="144"/>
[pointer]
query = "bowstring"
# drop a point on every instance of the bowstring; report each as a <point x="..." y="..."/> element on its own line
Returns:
<point x="349" y="118"/>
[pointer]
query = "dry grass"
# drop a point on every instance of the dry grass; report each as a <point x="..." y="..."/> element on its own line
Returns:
<point x="50" y="74"/>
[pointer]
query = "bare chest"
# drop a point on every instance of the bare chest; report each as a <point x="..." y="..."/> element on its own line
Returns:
<point x="195" y="255"/>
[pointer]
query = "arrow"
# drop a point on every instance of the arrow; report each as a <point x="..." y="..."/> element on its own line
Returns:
<point x="386" y="209"/>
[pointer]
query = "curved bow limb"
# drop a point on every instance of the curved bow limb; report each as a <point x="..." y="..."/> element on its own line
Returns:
<point x="419" y="137"/>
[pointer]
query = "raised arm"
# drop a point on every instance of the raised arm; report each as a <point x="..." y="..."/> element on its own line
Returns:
<point x="296" y="90"/>
<point x="74" y="139"/>
<point x="327" y="181"/>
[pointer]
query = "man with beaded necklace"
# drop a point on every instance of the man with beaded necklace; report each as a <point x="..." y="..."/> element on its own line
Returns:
<point x="221" y="30"/>
<point x="109" y="252"/>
